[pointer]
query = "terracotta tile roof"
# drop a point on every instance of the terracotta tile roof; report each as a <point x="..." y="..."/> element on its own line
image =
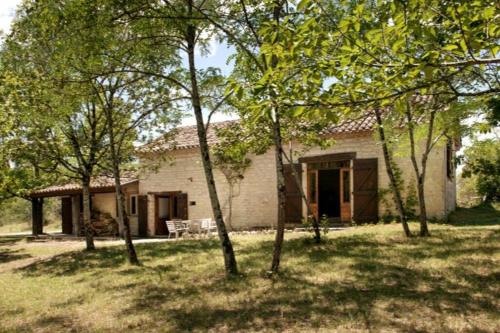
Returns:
<point x="186" y="137"/>
<point x="98" y="184"/>
<point x="363" y="123"/>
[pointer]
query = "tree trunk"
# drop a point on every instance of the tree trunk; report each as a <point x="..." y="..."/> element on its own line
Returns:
<point x="227" y="247"/>
<point x="420" y="175"/>
<point x="123" y="218"/>
<point x="390" y="173"/>
<point x="280" y="176"/>
<point x="87" y="223"/>
<point x="317" y="232"/>
<point x="424" y="230"/>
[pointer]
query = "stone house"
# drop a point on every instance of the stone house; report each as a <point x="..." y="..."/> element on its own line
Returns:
<point x="344" y="183"/>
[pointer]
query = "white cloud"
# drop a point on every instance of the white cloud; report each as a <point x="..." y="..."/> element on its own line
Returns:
<point x="7" y="12"/>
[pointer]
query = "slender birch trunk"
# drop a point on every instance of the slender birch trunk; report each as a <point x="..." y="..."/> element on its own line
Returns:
<point x="280" y="186"/>
<point x="87" y="223"/>
<point x="123" y="218"/>
<point x="420" y="174"/>
<point x="227" y="247"/>
<point x="390" y="173"/>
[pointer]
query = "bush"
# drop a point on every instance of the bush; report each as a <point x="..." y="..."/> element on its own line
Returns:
<point x="482" y="165"/>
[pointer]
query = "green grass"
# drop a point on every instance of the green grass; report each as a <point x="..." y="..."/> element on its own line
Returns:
<point x="363" y="279"/>
<point x="26" y="227"/>
<point x="484" y="214"/>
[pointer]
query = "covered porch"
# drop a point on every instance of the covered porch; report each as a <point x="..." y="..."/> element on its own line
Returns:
<point x="102" y="201"/>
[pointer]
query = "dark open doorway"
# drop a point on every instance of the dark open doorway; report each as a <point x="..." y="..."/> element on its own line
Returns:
<point x="169" y="206"/>
<point x="329" y="193"/>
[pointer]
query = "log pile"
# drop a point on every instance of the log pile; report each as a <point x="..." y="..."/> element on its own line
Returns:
<point x="103" y="224"/>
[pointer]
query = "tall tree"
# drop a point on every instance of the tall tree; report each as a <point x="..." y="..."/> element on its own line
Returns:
<point x="178" y="24"/>
<point x="369" y="54"/>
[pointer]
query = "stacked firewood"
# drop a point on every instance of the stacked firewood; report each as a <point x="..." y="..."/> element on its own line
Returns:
<point x="103" y="224"/>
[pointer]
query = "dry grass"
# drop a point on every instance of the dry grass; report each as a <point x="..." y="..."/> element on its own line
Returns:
<point x="54" y="226"/>
<point x="363" y="279"/>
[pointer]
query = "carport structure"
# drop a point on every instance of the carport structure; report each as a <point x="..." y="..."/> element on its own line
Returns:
<point x="103" y="198"/>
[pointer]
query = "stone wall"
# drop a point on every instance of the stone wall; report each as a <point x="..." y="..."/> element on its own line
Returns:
<point x="255" y="206"/>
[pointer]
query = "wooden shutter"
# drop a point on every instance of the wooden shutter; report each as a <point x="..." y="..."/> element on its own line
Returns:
<point x="67" y="216"/>
<point x="365" y="188"/>
<point x="182" y="206"/>
<point x="293" y="203"/>
<point x="142" y="214"/>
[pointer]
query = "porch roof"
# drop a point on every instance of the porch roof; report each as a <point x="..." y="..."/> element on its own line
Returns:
<point x="102" y="184"/>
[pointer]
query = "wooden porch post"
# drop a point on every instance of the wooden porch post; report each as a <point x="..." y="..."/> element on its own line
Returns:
<point x="36" y="216"/>
<point x="40" y="215"/>
<point x="75" y="213"/>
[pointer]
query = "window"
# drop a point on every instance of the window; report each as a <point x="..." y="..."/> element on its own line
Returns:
<point x="450" y="169"/>
<point x="133" y="204"/>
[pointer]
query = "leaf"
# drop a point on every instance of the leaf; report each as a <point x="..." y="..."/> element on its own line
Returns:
<point x="303" y="5"/>
<point x="450" y="47"/>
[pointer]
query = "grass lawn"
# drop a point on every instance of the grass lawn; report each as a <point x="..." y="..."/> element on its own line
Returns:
<point x="26" y="227"/>
<point x="363" y="279"/>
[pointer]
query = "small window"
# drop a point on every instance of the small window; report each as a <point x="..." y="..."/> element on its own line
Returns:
<point x="133" y="204"/>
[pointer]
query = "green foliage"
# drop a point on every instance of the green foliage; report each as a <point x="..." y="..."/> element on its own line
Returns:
<point x="16" y="214"/>
<point x="324" y="224"/>
<point x="482" y="162"/>
<point x="493" y="113"/>
<point x="230" y="154"/>
<point x="411" y="199"/>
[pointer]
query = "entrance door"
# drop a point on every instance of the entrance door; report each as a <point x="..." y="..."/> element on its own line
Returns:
<point x="293" y="203"/>
<point x="345" y="195"/>
<point x="142" y="216"/>
<point x="329" y="194"/>
<point x="163" y="214"/>
<point x="169" y="207"/>
<point x="312" y="191"/>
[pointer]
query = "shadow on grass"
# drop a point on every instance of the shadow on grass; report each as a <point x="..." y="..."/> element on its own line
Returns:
<point x="384" y="285"/>
<point x="378" y="279"/>
<point x="482" y="215"/>
<point x="10" y="240"/>
<point x="105" y="258"/>
<point x="7" y="255"/>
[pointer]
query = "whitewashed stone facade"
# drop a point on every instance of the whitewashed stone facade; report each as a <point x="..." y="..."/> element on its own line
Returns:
<point x="256" y="202"/>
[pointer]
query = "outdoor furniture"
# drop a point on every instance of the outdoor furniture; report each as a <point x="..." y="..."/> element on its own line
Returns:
<point x="208" y="225"/>
<point x="194" y="227"/>
<point x="175" y="228"/>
